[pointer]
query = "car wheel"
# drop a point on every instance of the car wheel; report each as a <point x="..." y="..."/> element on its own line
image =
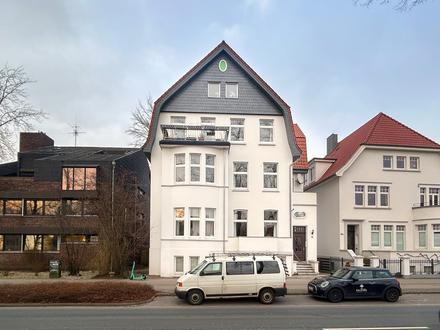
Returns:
<point x="195" y="297"/>
<point x="392" y="295"/>
<point x="267" y="296"/>
<point x="335" y="295"/>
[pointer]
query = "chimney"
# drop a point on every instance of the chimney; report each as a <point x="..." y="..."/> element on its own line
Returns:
<point x="332" y="142"/>
<point x="34" y="141"/>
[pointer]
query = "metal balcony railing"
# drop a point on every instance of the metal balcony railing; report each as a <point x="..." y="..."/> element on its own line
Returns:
<point x="426" y="204"/>
<point x="195" y="133"/>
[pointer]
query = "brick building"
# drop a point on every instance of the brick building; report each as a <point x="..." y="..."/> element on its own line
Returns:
<point x="48" y="184"/>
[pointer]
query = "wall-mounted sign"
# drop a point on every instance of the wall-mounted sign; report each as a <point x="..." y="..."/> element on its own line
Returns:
<point x="300" y="215"/>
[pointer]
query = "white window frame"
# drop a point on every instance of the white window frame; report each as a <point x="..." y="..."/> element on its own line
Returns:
<point x="178" y="220"/>
<point x="384" y="191"/>
<point x="191" y="262"/>
<point x="266" y="124"/>
<point x="179" y="166"/>
<point x="207" y="134"/>
<point x="234" y="94"/>
<point x="371" y="196"/>
<point x="178" y="133"/>
<point x="176" y="271"/>
<point x="210" y="167"/>
<point x="209" y="220"/>
<point x="211" y="90"/>
<point x="436" y="235"/>
<point x="237" y="124"/>
<point x="433" y="196"/>
<point x="388" y="231"/>
<point x="359" y="190"/>
<point x="421" y="230"/>
<point x="195" y="166"/>
<point x="194" y="218"/>
<point x="241" y="220"/>
<point x="267" y="175"/>
<point x="400" y="229"/>
<point x="268" y="214"/>
<point x="414" y="163"/>
<point x="400" y="159"/>
<point x="236" y="173"/>
<point x="422" y="196"/>
<point x="389" y="159"/>
<point x="375" y="229"/>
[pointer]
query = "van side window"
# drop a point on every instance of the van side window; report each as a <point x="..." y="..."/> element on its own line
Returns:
<point x="240" y="268"/>
<point x="267" y="267"/>
<point x="212" y="269"/>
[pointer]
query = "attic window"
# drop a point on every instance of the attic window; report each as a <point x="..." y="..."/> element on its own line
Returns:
<point x="231" y="90"/>
<point x="214" y="89"/>
<point x="222" y="65"/>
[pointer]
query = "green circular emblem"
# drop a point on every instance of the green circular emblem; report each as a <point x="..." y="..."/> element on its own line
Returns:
<point x="223" y="65"/>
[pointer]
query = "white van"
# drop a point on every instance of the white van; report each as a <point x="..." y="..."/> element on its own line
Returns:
<point x="234" y="276"/>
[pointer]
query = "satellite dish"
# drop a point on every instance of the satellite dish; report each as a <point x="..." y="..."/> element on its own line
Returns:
<point x="300" y="178"/>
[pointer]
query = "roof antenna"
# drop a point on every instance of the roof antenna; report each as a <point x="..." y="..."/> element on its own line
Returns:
<point x="76" y="129"/>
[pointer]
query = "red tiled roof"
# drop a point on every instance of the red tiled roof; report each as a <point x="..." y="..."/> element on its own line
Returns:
<point x="300" y="141"/>
<point x="381" y="130"/>
<point x="222" y="44"/>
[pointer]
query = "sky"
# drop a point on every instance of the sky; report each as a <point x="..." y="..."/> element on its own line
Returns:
<point x="335" y="64"/>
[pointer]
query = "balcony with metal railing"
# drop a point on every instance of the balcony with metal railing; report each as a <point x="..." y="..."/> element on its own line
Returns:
<point x="194" y="135"/>
<point x="426" y="210"/>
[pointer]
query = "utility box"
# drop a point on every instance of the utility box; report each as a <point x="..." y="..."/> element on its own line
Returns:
<point x="54" y="269"/>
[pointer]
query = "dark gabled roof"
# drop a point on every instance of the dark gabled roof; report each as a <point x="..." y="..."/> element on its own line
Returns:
<point x="78" y="154"/>
<point x="381" y="130"/>
<point x="8" y="169"/>
<point x="263" y="86"/>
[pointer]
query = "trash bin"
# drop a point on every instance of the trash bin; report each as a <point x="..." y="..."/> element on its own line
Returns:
<point x="54" y="269"/>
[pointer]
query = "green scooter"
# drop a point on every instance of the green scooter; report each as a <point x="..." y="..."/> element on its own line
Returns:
<point x="132" y="277"/>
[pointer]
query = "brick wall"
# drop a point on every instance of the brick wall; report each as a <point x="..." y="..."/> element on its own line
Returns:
<point x="34" y="141"/>
<point x="28" y="185"/>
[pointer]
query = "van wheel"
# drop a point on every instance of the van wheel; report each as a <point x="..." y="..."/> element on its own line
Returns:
<point x="195" y="297"/>
<point x="335" y="295"/>
<point x="392" y="295"/>
<point x="267" y="296"/>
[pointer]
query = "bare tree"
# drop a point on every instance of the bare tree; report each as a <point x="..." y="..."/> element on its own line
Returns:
<point x="141" y="118"/>
<point x="15" y="111"/>
<point x="402" y="5"/>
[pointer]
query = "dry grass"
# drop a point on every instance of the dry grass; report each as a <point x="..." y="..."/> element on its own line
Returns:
<point x="65" y="293"/>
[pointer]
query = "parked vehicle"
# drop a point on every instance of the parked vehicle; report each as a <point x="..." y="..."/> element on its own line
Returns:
<point x="234" y="276"/>
<point x="356" y="283"/>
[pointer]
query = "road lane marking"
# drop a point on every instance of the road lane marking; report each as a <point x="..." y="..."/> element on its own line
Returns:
<point x="379" y="328"/>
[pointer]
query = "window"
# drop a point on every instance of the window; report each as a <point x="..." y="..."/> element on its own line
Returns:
<point x="178" y="261"/>
<point x="210" y="169"/>
<point x="194" y="222"/>
<point x="375" y="231"/>
<point x="433" y="196"/>
<point x="76" y="207"/>
<point x="11" y="242"/>
<point x="240" y="223"/>
<point x="208" y="132"/>
<point x="266" y="130"/>
<point x="359" y="195"/>
<point x="237" y="129"/>
<point x="240" y="175"/>
<point x="387" y="231"/>
<point x="79" y="238"/>
<point x="371" y="196"/>
<point x="436" y="229"/>
<point x="387" y="161"/>
<point x="209" y="222"/>
<point x="213" y="269"/>
<point x="240" y="268"/>
<point x="400" y="238"/>
<point x="193" y="262"/>
<point x="195" y="167"/>
<point x="41" y="243"/>
<point x="422" y="196"/>
<point x="414" y="163"/>
<point x="41" y="207"/>
<point x="268" y="267"/>
<point x="231" y="90"/>
<point x="214" y="89"/>
<point x="382" y="274"/>
<point x="384" y="194"/>
<point x="270" y="223"/>
<point x="180" y="167"/>
<point x="13" y="207"/>
<point x="270" y="175"/>
<point x="400" y="162"/>
<point x="79" y="178"/>
<point x="422" y="235"/>
<point x="179" y="216"/>
<point x="178" y="133"/>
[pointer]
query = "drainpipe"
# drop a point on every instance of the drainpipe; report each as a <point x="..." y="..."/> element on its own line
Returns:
<point x="113" y="199"/>
<point x="224" y="200"/>
<point x="290" y="194"/>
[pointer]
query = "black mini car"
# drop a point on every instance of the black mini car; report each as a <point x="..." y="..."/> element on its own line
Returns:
<point x="355" y="283"/>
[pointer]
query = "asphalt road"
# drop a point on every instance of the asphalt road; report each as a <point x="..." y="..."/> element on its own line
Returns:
<point x="291" y="312"/>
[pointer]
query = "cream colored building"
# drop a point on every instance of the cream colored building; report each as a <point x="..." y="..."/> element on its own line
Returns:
<point x="378" y="192"/>
<point x="226" y="169"/>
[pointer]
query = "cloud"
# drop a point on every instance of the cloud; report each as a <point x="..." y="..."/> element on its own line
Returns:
<point x="233" y="35"/>
<point x="260" y="4"/>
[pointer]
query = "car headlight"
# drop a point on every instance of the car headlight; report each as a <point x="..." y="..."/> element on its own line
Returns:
<point x="324" y="284"/>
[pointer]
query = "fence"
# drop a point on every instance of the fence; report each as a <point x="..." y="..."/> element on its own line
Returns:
<point x="332" y="264"/>
<point x="422" y="264"/>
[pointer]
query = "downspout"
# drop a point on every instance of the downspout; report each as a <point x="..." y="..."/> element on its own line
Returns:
<point x="113" y="199"/>
<point x="290" y="194"/>
<point x="224" y="200"/>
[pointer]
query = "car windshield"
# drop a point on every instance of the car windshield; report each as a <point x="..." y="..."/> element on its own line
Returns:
<point x="341" y="273"/>
<point x="198" y="267"/>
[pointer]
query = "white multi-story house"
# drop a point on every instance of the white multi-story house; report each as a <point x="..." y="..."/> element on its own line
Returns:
<point x="378" y="192"/>
<point x="226" y="169"/>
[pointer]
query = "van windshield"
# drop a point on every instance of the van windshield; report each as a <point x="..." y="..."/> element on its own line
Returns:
<point x="198" y="267"/>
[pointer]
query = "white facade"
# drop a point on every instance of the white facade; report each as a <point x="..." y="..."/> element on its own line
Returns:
<point x="376" y="206"/>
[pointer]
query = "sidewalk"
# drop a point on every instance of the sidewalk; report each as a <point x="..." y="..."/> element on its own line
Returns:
<point x="298" y="284"/>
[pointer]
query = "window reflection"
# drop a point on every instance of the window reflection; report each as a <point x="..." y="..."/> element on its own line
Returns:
<point x="79" y="178"/>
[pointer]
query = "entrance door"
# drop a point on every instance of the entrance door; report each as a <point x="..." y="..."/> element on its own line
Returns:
<point x="352" y="238"/>
<point x="299" y="243"/>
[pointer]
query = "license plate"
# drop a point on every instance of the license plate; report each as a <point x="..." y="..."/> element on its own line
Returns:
<point x="311" y="288"/>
